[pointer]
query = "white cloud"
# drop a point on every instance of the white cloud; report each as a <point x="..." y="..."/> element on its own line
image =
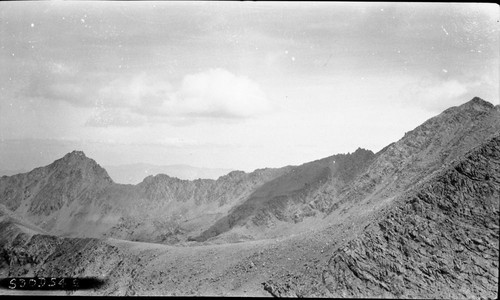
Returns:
<point x="219" y="93"/>
<point x="214" y="94"/>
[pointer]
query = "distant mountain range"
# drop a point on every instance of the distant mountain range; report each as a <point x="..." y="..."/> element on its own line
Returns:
<point x="420" y="218"/>
<point x="135" y="173"/>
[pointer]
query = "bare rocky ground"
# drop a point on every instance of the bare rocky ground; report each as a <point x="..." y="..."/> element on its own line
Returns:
<point x="135" y="268"/>
<point x="419" y="219"/>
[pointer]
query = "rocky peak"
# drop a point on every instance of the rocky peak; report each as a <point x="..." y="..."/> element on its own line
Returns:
<point x="477" y="104"/>
<point x="362" y="152"/>
<point x="479" y="101"/>
<point x="459" y="118"/>
<point x="160" y="179"/>
<point x="233" y="175"/>
<point x="74" y="157"/>
<point x="78" y="161"/>
<point x="76" y="153"/>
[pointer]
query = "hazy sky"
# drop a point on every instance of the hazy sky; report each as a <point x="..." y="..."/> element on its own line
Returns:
<point x="239" y="85"/>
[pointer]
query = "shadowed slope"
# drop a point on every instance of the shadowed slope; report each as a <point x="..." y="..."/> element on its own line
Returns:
<point x="287" y="198"/>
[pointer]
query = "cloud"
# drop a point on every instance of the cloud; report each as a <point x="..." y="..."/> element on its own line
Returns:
<point x="213" y="94"/>
<point x="216" y="94"/>
<point x="135" y="99"/>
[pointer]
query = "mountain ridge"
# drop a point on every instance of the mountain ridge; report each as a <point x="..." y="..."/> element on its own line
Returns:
<point x="419" y="218"/>
<point x="253" y="202"/>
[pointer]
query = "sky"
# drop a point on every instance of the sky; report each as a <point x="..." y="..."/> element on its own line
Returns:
<point x="239" y="85"/>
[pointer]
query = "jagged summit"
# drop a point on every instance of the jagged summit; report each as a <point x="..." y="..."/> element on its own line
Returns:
<point x="479" y="101"/>
<point x="76" y="153"/>
<point x="75" y="156"/>
<point x="235" y="173"/>
<point x="477" y="104"/>
<point x="360" y="151"/>
<point x="457" y="118"/>
<point x="160" y="178"/>
<point x="86" y="167"/>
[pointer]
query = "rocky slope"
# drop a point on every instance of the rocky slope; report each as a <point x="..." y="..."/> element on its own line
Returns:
<point x="167" y="209"/>
<point x="295" y="195"/>
<point x="424" y="150"/>
<point x="439" y="239"/>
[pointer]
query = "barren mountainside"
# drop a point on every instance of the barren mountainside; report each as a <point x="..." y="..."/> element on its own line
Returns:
<point x="295" y="195"/>
<point x="75" y="196"/>
<point x="420" y="218"/>
<point x="439" y="239"/>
